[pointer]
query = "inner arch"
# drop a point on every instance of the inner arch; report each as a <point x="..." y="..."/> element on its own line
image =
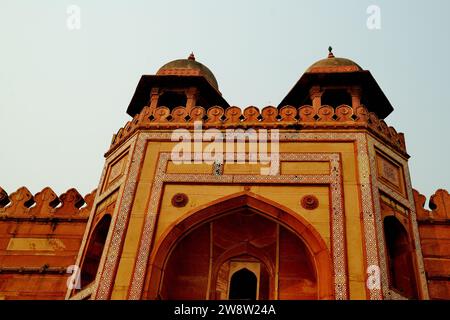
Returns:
<point x="182" y="263"/>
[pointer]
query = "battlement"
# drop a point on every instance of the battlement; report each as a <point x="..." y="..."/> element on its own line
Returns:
<point x="434" y="229"/>
<point x="288" y="117"/>
<point x="22" y="204"/>
<point x="40" y="236"/>
<point x="439" y="204"/>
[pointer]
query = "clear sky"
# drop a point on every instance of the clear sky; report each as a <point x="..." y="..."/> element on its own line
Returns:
<point x="63" y="92"/>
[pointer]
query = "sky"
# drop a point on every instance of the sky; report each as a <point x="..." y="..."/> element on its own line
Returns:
<point x="64" y="91"/>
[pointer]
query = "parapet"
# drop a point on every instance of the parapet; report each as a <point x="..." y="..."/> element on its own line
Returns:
<point x="288" y="117"/>
<point x="439" y="205"/>
<point x="22" y="204"/>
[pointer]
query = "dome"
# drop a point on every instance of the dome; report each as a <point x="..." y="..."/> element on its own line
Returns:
<point x="334" y="65"/>
<point x="188" y="67"/>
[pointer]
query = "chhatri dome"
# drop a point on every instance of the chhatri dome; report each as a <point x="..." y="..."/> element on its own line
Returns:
<point x="181" y="82"/>
<point x="338" y="79"/>
<point x="331" y="64"/>
<point x="188" y="67"/>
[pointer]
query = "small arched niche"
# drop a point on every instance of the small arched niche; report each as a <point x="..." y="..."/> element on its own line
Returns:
<point x="94" y="251"/>
<point x="399" y="255"/>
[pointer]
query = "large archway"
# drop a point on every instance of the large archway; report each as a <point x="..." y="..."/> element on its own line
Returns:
<point x="196" y="256"/>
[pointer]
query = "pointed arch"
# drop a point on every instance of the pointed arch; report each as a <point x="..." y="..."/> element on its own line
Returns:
<point x="243" y="285"/>
<point x="94" y="250"/>
<point x="399" y="257"/>
<point x="256" y="203"/>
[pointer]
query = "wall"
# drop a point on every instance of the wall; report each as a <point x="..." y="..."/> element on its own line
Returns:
<point x="286" y="195"/>
<point x="40" y="237"/>
<point x="434" y="228"/>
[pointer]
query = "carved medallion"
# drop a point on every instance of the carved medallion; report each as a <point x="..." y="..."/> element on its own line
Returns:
<point x="309" y="202"/>
<point x="179" y="200"/>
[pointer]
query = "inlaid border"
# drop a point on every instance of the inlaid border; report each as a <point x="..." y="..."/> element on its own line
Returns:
<point x="113" y="244"/>
<point x="334" y="180"/>
<point x="409" y="204"/>
<point x="99" y="197"/>
<point x="369" y="227"/>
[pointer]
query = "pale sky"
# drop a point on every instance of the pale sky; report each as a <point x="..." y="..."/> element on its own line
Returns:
<point x="63" y="93"/>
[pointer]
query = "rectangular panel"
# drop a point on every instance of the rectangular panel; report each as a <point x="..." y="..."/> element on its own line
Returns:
<point x="107" y="201"/>
<point x="390" y="172"/>
<point x="201" y="168"/>
<point x="35" y="244"/>
<point x="243" y="168"/>
<point x="115" y="170"/>
<point x="290" y="167"/>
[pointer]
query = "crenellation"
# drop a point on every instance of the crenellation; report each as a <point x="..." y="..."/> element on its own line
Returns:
<point x="45" y="202"/>
<point x="197" y="114"/>
<point x="434" y="228"/>
<point x="344" y="113"/>
<point x="341" y="117"/>
<point x="71" y="201"/>
<point x="439" y="205"/>
<point x="89" y="199"/>
<point x="288" y="115"/>
<point x="269" y="114"/>
<point x="4" y="198"/>
<point x="40" y="236"/>
<point x="22" y="204"/>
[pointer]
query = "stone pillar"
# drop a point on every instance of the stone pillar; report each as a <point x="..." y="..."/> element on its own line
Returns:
<point x="191" y="95"/>
<point x="316" y="97"/>
<point x="154" y="95"/>
<point x="355" y="92"/>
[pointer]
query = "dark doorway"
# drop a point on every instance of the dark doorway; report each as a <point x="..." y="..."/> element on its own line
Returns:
<point x="172" y="99"/>
<point x="336" y="97"/>
<point x="243" y="285"/>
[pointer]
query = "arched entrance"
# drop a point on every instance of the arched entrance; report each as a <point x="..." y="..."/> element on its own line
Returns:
<point x="198" y="256"/>
<point x="243" y="285"/>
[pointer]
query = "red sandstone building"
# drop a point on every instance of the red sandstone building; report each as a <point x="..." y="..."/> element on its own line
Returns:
<point x="339" y="219"/>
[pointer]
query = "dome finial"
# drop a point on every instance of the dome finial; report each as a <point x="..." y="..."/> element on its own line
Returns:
<point x="330" y="52"/>
<point x="191" y="56"/>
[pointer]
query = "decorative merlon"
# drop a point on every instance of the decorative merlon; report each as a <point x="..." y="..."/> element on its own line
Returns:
<point x="288" y="117"/>
<point x="21" y="204"/>
<point x="439" y="205"/>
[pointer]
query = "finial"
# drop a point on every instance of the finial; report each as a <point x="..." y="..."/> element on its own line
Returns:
<point x="191" y="56"/>
<point x="330" y="52"/>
